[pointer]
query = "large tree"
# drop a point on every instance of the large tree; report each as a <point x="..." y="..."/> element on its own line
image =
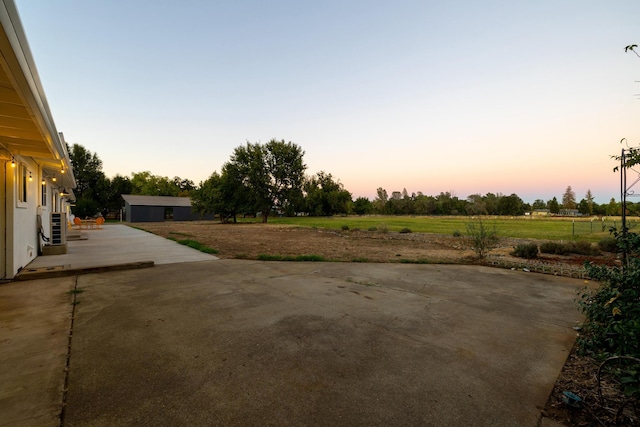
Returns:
<point x="92" y="186"/>
<point x="272" y="174"/>
<point x="589" y="201"/>
<point x="326" y="196"/>
<point x="569" y="198"/>
<point x="148" y="184"/>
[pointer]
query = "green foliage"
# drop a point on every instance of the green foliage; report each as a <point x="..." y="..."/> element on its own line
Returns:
<point x="608" y="244"/>
<point x="579" y="248"/>
<point x="483" y="237"/>
<point x="457" y="233"/>
<point x="554" y="248"/>
<point x="325" y="196"/>
<point x="372" y="229"/>
<point x="555" y="229"/>
<point x="85" y="207"/>
<point x="362" y="206"/>
<point x="612" y="311"/>
<point x="145" y="183"/>
<point x="197" y="245"/>
<point x="268" y="176"/>
<point x="345" y="227"/>
<point x="405" y="230"/>
<point x="92" y="186"/>
<point x="526" y="250"/>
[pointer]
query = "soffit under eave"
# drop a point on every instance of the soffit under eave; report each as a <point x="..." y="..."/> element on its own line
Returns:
<point x="21" y="90"/>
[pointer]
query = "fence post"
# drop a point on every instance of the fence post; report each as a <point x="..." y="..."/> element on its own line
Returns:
<point x="573" y="227"/>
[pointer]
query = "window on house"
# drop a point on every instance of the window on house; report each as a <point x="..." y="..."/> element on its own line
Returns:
<point x="22" y="183"/>
<point x="44" y="193"/>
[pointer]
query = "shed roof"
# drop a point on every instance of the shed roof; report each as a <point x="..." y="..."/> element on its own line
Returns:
<point x="138" y="200"/>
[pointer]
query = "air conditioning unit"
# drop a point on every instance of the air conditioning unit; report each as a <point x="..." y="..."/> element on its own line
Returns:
<point x="58" y="228"/>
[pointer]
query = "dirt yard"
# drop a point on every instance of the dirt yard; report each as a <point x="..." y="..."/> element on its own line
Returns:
<point x="251" y="240"/>
<point x="248" y="241"/>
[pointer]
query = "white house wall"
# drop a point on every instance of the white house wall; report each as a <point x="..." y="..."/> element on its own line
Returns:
<point x="22" y="234"/>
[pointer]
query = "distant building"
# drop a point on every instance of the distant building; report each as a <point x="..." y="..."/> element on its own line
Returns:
<point x="160" y="208"/>
<point x="569" y="212"/>
<point x="540" y="212"/>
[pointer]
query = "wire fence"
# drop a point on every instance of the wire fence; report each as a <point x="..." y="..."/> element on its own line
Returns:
<point x="582" y="227"/>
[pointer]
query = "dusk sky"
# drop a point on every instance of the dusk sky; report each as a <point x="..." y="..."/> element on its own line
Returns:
<point x="522" y="97"/>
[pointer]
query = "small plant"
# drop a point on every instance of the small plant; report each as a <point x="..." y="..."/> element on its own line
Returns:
<point x="372" y="229"/>
<point x="526" y="250"/>
<point x="456" y="233"/>
<point x="360" y="260"/>
<point x="383" y="228"/>
<point x="75" y="291"/>
<point x="483" y="237"/>
<point x="345" y="228"/>
<point x="405" y="230"/>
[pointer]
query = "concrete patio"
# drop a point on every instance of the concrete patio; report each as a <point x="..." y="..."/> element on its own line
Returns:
<point x="237" y="342"/>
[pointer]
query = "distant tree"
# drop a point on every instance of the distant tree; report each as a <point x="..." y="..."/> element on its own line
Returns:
<point x="553" y="206"/>
<point x="569" y="198"/>
<point x="425" y="205"/>
<point x="491" y="203"/>
<point x="145" y="183"/>
<point x="613" y="208"/>
<point x="589" y="200"/>
<point x="272" y="174"/>
<point x="326" y="196"/>
<point x="185" y="186"/>
<point x="119" y="185"/>
<point x="362" y="206"/>
<point x="511" y="205"/>
<point x="380" y="202"/>
<point x="476" y="205"/>
<point x="583" y="207"/>
<point x="539" y="204"/>
<point x="92" y="186"/>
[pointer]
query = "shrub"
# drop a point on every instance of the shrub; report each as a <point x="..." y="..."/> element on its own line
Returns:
<point x="456" y="233"/>
<point x="526" y="250"/>
<point x="345" y="228"/>
<point x="372" y="229"/>
<point x="405" y="230"/>
<point x="582" y="248"/>
<point x="483" y="238"/>
<point x="383" y="228"/>
<point x="608" y="244"/>
<point x="612" y="311"/>
<point x="578" y="248"/>
<point x="554" y="248"/>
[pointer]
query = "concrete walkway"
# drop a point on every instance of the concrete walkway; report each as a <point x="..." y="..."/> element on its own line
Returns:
<point x="114" y="245"/>
<point x="236" y="342"/>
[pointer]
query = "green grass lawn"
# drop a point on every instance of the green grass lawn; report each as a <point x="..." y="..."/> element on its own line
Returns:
<point x="520" y="227"/>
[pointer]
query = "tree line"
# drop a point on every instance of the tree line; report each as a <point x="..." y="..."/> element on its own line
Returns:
<point x="265" y="179"/>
